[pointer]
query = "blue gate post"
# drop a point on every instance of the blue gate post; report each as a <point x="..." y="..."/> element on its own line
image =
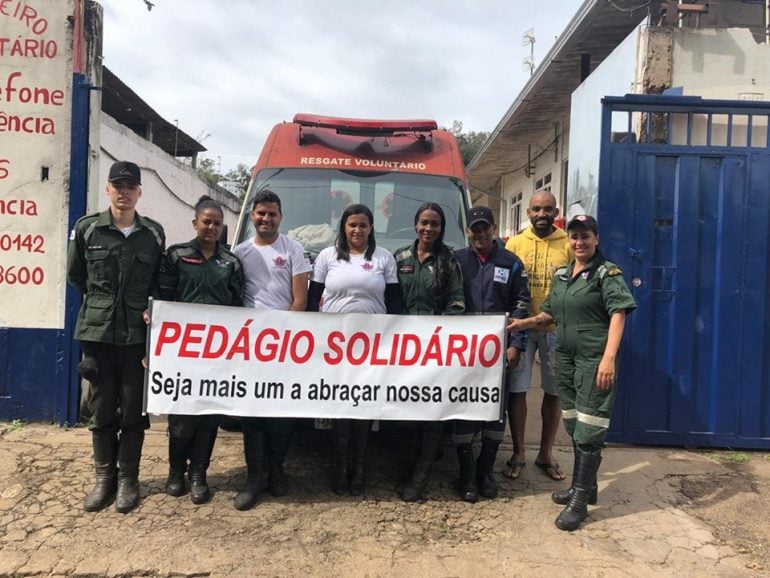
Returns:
<point x="68" y="392"/>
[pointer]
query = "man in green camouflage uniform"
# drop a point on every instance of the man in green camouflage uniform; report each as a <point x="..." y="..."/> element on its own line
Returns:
<point x="113" y="260"/>
<point x="588" y="301"/>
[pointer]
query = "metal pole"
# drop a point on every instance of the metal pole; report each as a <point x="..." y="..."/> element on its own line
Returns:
<point x="767" y="21"/>
<point x="176" y="135"/>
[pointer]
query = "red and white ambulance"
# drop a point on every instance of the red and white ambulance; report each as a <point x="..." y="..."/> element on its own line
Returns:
<point x="319" y="165"/>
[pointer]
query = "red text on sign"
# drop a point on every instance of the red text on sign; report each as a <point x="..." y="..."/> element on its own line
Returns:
<point x="13" y="275"/>
<point x="204" y="341"/>
<point x="25" y="13"/>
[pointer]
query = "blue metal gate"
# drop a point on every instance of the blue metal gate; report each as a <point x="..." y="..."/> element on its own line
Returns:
<point x="684" y="208"/>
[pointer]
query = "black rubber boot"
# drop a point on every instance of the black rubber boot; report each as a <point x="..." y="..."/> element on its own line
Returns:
<point x="129" y="456"/>
<point x="200" y="459"/>
<point x="254" y="450"/>
<point x="178" y="450"/>
<point x="279" y="445"/>
<point x="414" y="490"/>
<point x="361" y="429"/>
<point x="562" y="497"/>
<point x="341" y="470"/>
<point x="587" y="464"/>
<point x="485" y="468"/>
<point x="466" y="488"/>
<point x="105" y="444"/>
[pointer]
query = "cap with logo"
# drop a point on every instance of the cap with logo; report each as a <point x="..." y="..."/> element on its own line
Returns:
<point x="480" y="215"/>
<point x="586" y="221"/>
<point x="125" y="171"/>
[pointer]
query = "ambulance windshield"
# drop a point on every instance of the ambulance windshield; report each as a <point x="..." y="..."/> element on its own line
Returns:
<point x="313" y="201"/>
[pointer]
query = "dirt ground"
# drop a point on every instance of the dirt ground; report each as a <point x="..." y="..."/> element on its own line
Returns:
<point x="661" y="512"/>
<point x="735" y="503"/>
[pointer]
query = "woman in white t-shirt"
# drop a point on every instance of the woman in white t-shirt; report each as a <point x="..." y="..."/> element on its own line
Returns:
<point x="354" y="276"/>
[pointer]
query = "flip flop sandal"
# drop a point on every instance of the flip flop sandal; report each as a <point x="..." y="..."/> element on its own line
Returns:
<point x="553" y="471"/>
<point x="513" y="469"/>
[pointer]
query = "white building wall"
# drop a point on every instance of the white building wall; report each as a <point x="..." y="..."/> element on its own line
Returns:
<point x="721" y="63"/>
<point x="35" y="124"/>
<point x="170" y="188"/>
<point x="712" y="63"/>
<point x="549" y="155"/>
<point x="613" y="77"/>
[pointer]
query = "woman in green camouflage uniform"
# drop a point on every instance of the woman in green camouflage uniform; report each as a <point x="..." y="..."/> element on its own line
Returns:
<point x="432" y="284"/>
<point x="588" y="301"/>
<point x="199" y="271"/>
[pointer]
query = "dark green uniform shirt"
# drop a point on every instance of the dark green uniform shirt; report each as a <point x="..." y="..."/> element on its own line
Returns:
<point x="116" y="275"/>
<point x="188" y="277"/>
<point x="582" y="307"/>
<point x="418" y="286"/>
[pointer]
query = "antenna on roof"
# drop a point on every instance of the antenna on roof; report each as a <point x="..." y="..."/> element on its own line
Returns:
<point x="528" y="39"/>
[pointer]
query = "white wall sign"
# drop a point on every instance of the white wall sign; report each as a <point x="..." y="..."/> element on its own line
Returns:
<point x="35" y="112"/>
<point x="205" y="359"/>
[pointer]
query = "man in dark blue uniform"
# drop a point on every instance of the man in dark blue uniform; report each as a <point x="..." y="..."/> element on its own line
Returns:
<point x="495" y="282"/>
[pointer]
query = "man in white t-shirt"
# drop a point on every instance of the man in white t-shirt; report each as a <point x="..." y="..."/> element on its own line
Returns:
<point x="276" y="273"/>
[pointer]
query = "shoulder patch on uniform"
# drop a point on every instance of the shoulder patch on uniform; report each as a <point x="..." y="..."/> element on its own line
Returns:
<point x="403" y="254"/>
<point x="182" y="250"/>
<point x="156" y="228"/>
<point x="613" y="271"/>
<point x="89" y="232"/>
<point x="229" y="257"/>
<point x="88" y="216"/>
<point x="153" y="222"/>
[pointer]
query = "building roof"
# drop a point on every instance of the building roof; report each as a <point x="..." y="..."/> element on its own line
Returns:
<point x="126" y="107"/>
<point x="596" y="29"/>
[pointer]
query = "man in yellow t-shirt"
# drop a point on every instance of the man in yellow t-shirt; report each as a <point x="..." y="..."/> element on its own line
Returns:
<point x="543" y="248"/>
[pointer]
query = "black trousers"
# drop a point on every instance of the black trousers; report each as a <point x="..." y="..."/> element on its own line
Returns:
<point x="115" y="401"/>
<point x="185" y="426"/>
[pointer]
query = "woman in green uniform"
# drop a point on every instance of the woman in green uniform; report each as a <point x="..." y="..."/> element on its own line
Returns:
<point x="588" y="302"/>
<point x="199" y="271"/>
<point x="432" y="284"/>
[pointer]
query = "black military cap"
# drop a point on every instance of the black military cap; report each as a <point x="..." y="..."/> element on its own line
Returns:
<point x="125" y="171"/>
<point x="480" y="215"/>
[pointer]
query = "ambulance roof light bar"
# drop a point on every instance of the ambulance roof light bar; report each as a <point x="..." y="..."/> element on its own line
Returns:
<point x="362" y="126"/>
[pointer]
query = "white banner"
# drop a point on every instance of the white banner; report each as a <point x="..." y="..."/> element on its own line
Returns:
<point x="206" y="359"/>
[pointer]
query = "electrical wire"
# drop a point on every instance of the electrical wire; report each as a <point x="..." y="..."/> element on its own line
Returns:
<point x="631" y="9"/>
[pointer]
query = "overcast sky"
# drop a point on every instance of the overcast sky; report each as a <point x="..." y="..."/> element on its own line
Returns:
<point x="229" y="70"/>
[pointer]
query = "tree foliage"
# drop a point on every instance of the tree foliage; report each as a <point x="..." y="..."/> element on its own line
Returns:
<point x="241" y="176"/>
<point x="469" y="142"/>
<point x="207" y="170"/>
<point x="235" y="180"/>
